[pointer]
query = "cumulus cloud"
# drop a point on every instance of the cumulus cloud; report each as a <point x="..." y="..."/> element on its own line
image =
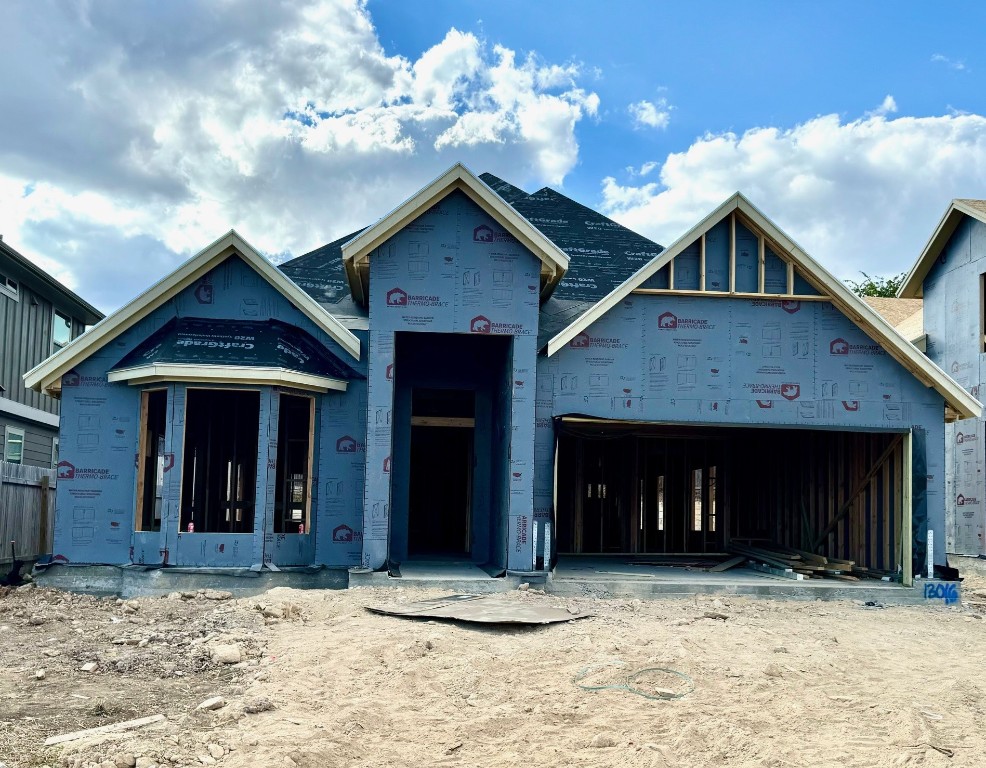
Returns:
<point x="157" y="127"/>
<point x="647" y="114"/>
<point x="857" y="195"/>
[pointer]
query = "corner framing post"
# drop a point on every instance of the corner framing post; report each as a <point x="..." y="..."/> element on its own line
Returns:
<point x="907" y="533"/>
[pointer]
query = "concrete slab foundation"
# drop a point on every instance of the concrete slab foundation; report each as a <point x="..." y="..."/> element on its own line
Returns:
<point x="137" y="581"/>
<point x="613" y="577"/>
<point x="572" y="577"/>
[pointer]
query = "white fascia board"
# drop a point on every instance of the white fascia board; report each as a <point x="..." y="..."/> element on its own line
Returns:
<point x="457" y="177"/>
<point x="868" y="319"/>
<point x="27" y="413"/>
<point x="226" y="374"/>
<point x="913" y="285"/>
<point x="46" y="375"/>
<point x="635" y="280"/>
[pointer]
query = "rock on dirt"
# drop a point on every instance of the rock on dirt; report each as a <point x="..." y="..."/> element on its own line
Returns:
<point x="214" y="702"/>
<point x="227" y="654"/>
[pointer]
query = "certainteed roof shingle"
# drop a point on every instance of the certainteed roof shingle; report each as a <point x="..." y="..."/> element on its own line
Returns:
<point x="602" y="255"/>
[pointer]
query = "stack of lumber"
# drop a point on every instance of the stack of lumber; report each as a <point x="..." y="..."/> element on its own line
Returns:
<point x="793" y="563"/>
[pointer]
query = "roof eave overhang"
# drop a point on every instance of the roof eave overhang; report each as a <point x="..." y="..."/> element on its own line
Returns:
<point x="46" y="375"/>
<point x="154" y="373"/>
<point x="356" y="252"/>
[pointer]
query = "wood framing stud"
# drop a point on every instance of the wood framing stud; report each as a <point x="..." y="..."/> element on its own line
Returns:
<point x="701" y="263"/>
<point x="761" y="264"/>
<point x="732" y="253"/>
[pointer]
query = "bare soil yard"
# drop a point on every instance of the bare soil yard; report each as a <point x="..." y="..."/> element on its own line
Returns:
<point x="313" y="679"/>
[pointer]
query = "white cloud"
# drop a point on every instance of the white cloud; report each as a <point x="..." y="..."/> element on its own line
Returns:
<point x="859" y="195"/>
<point x="647" y="114"/>
<point x="887" y="107"/>
<point x="956" y="64"/>
<point x="151" y="134"/>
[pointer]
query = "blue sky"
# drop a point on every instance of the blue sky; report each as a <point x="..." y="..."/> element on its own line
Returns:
<point x="146" y="130"/>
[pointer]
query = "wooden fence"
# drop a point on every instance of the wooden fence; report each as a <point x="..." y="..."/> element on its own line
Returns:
<point x="27" y="510"/>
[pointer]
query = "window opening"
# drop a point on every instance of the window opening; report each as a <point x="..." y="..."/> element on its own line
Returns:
<point x="151" y="464"/>
<point x="61" y="329"/>
<point x="711" y="527"/>
<point x="660" y="502"/>
<point x="696" y="499"/>
<point x="13" y="451"/>
<point x="8" y="286"/>
<point x="219" y="468"/>
<point x="294" y="451"/>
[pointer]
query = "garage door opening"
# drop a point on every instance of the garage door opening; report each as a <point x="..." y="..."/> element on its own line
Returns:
<point x="631" y="489"/>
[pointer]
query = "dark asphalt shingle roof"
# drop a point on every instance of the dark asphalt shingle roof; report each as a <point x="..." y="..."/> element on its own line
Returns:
<point x="602" y="254"/>
<point x="204" y="341"/>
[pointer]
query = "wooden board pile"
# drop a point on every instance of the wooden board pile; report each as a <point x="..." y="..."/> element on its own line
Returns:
<point x="799" y="564"/>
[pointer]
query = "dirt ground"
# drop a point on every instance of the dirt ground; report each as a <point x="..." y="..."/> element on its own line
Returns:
<point x="322" y="682"/>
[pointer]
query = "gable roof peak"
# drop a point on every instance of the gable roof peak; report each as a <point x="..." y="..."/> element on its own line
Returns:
<point x="959" y="208"/>
<point x="356" y="252"/>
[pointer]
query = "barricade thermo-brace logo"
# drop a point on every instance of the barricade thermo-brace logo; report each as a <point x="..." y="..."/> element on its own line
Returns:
<point x="965" y="501"/>
<point x="842" y="347"/>
<point x="850" y="405"/>
<point x="479" y="324"/>
<point x="396" y="298"/>
<point x="343" y="533"/>
<point x="790" y="306"/>
<point x="65" y="470"/>
<point x="669" y="321"/>
<point x="486" y="234"/>
<point x="585" y="341"/>
<point x="386" y="465"/>
<point x="964" y="438"/>
<point x="348" y="444"/>
<point x="787" y="391"/>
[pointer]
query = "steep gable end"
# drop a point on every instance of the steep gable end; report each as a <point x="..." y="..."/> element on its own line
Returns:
<point x="737" y="252"/>
<point x="358" y="251"/>
<point x="913" y="287"/>
<point x="47" y="375"/>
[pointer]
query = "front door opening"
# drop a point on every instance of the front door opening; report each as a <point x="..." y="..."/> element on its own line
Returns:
<point x="219" y="470"/>
<point x="440" y="493"/>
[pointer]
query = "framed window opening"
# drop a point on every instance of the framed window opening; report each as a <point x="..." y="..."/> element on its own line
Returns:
<point x="61" y="329"/>
<point x="151" y="459"/>
<point x="9" y="287"/>
<point x="13" y="445"/>
<point x="295" y="439"/>
<point x="219" y="465"/>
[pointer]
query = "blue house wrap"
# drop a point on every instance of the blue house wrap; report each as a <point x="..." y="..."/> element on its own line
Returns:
<point x="504" y="378"/>
<point x="949" y="277"/>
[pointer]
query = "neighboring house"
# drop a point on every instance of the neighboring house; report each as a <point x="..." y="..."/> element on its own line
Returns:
<point x="503" y="377"/>
<point x="905" y="315"/>
<point x="38" y="316"/>
<point x="950" y="275"/>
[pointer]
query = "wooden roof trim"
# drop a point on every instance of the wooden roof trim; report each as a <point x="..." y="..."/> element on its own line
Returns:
<point x="226" y="374"/>
<point x="913" y="286"/>
<point x="356" y="252"/>
<point x="46" y="375"/>
<point x="869" y="321"/>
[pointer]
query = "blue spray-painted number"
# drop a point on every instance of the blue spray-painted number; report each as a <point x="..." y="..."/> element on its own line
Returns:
<point x="947" y="592"/>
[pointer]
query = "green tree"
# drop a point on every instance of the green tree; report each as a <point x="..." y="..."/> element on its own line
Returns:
<point x="877" y="286"/>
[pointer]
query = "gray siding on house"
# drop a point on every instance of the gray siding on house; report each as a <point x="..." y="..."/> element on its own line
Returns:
<point x="25" y="331"/>
<point x="37" y="440"/>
